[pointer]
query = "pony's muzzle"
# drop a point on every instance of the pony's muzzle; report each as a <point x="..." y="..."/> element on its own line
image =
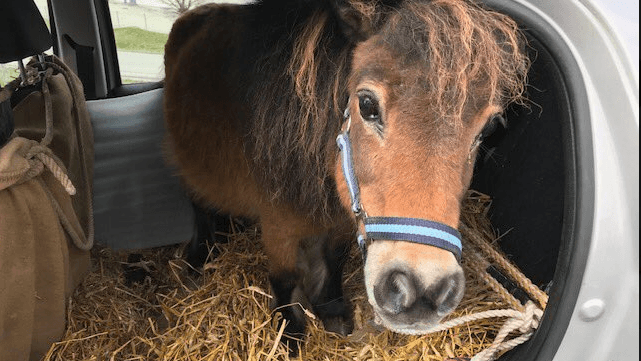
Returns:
<point x="412" y="287"/>
<point x="401" y="295"/>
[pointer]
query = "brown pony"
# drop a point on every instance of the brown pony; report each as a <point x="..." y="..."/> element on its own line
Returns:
<point x="254" y="101"/>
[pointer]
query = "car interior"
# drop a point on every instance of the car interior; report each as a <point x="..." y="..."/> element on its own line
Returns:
<point x="534" y="169"/>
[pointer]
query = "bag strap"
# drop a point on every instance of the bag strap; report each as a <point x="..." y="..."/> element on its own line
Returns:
<point x="39" y="155"/>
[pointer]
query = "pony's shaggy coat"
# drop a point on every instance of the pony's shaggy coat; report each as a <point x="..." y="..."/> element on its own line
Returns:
<point x="474" y="56"/>
<point x="254" y="99"/>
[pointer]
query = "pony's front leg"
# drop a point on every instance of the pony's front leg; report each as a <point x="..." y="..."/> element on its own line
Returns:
<point x="320" y="264"/>
<point x="206" y="223"/>
<point x="282" y="233"/>
<point x="305" y="271"/>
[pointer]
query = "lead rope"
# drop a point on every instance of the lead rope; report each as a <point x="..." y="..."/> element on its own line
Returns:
<point x="523" y="319"/>
<point x="514" y="273"/>
<point x="525" y="322"/>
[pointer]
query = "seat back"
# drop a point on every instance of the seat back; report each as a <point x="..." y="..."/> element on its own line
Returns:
<point x="23" y="33"/>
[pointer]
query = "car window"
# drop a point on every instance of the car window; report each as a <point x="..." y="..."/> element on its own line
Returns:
<point x="9" y="71"/>
<point x="141" y="28"/>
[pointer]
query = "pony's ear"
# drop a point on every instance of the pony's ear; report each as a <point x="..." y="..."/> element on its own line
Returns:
<point x="360" y="18"/>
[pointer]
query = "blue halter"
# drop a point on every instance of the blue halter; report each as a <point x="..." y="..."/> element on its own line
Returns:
<point x="414" y="230"/>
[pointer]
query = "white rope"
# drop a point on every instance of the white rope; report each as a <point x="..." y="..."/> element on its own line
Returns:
<point x="506" y="312"/>
<point x="525" y="322"/>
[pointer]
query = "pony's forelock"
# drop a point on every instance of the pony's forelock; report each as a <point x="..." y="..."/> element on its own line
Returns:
<point x="471" y="55"/>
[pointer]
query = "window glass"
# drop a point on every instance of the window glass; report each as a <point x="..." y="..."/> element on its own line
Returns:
<point x="9" y="71"/>
<point x="141" y="28"/>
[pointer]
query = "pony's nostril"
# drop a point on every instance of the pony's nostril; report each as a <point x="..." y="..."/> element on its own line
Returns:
<point x="405" y="299"/>
<point x="450" y="294"/>
<point x="404" y="289"/>
<point x="396" y="292"/>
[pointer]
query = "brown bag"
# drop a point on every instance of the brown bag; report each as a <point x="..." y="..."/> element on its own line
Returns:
<point x="46" y="222"/>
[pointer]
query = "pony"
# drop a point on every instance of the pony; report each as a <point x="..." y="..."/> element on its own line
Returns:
<point x="257" y="97"/>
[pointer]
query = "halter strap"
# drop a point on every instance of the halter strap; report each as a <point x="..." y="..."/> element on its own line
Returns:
<point x="345" y="147"/>
<point x="416" y="230"/>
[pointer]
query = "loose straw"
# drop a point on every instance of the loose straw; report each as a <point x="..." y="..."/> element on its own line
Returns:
<point x="224" y="313"/>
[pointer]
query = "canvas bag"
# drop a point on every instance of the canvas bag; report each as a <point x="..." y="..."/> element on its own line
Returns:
<point x="45" y="231"/>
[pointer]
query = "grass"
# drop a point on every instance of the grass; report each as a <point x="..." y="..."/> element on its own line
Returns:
<point x="8" y="72"/>
<point x="139" y="40"/>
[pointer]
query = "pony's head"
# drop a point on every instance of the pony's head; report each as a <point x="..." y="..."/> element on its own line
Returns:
<point x="428" y="80"/>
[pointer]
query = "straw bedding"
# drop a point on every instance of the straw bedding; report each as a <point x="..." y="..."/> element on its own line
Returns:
<point x="224" y="314"/>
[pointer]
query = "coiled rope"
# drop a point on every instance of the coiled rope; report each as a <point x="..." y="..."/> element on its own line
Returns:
<point x="522" y="320"/>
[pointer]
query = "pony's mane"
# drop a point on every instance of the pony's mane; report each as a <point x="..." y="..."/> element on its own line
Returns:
<point x="474" y="55"/>
<point x="299" y="113"/>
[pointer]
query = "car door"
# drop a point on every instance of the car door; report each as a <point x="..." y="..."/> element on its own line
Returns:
<point x="138" y="199"/>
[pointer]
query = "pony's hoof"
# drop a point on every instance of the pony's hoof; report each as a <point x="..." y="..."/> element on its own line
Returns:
<point x="197" y="254"/>
<point x="341" y="325"/>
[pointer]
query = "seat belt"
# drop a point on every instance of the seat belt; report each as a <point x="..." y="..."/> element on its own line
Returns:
<point x="84" y="64"/>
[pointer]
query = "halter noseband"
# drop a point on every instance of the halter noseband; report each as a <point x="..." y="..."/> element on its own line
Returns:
<point x="414" y="230"/>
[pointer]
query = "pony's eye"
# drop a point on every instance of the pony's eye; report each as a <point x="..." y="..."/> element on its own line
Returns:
<point x="368" y="106"/>
<point x="491" y="126"/>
